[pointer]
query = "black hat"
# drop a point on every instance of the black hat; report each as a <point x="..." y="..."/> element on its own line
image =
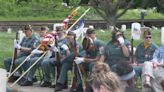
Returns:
<point x="27" y="27"/>
<point x="124" y="70"/>
<point x="44" y="28"/>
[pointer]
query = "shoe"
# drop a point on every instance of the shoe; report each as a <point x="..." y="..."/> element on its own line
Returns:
<point x="79" y="88"/>
<point x="162" y="84"/>
<point x="147" y="84"/>
<point x="59" y="87"/>
<point x="34" y="79"/>
<point x="52" y="86"/>
<point x="27" y="83"/>
<point x="65" y="86"/>
<point x="46" y="84"/>
<point x="21" y="81"/>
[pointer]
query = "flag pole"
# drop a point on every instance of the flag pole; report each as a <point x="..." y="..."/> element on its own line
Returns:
<point x="77" y="20"/>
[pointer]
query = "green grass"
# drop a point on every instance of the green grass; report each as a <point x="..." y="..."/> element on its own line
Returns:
<point x="6" y="46"/>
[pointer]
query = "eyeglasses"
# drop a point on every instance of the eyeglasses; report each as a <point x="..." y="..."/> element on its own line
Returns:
<point x="148" y="37"/>
<point x="118" y="35"/>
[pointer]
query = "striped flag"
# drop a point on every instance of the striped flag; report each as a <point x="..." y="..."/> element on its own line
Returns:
<point x="67" y="19"/>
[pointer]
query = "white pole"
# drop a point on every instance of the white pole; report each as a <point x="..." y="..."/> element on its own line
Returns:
<point x="3" y="80"/>
<point x="162" y="35"/>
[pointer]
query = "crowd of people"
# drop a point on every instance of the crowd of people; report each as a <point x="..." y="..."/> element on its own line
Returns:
<point x="108" y="66"/>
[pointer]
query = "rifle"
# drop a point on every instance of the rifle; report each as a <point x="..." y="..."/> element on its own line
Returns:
<point x="12" y="67"/>
<point x="57" y="61"/>
<point x="81" y="71"/>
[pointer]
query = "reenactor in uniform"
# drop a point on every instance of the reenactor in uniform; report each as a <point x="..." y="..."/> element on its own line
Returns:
<point x="144" y="52"/>
<point x="30" y="77"/>
<point x="68" y="61"/>
<point x="93" y="51"/>
<point x="25" y="47"/>
<point x="48" y="65"/>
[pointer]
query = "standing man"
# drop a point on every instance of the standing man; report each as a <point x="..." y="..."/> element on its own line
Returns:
<point x="28" y="43"/>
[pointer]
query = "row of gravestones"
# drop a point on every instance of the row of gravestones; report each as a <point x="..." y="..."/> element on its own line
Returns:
<point x="135" y="30"/>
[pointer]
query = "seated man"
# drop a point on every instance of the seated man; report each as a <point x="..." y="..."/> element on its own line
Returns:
<point x="67" y="62"/>
<point x="93" y="51"/>
<point x="153" y="75"/>
<point x="36" y="54"/>
<point x="144" y="52"/>
<point x="25" y="47"/>
<point x="48" y="65"/>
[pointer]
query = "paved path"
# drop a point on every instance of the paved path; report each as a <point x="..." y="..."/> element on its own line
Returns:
<point x="35" y="88"/>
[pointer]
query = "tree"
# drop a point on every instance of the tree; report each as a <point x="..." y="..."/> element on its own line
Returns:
<point x="111" y="10"/>
<point x="161" y="3"/>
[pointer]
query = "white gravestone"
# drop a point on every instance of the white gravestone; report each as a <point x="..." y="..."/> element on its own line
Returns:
<point x="9" y="30"/>
<point x="20" y="35"/>
<point x="136" y="31"/>
<point x="123" y="27"/>
<point x="3" y="80"/>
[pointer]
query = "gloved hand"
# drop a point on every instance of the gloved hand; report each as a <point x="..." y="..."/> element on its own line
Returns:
<point x="121" y="40"/>
<point x="36" y="51"/>
<point x="79" y="60"/>
<point x="16" y="45"/>
<point x="55" y="49"/>
<point x="65" y="47"/>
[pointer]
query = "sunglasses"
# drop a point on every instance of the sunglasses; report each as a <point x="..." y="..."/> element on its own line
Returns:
<point x="118" y="35"/>
<point x="148" y="37"/>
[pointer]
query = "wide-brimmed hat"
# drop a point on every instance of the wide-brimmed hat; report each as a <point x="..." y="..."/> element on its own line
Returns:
<point x="124" y="70"/>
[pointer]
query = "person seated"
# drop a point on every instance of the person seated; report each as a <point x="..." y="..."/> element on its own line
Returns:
<point x="28" y="43"/>
<point x="30" y="77"/>
<point x="67" y="62"/>
<point x="117" y="49"/>
<point x="144" y="52"/>
<point x="152" y="74"/>
<point x="92" y="53"/>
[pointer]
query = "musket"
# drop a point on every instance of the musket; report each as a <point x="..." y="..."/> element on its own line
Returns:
<point x="81" y="71"/>
<point x="12" y="67"/>
<point x="57" y="61"/>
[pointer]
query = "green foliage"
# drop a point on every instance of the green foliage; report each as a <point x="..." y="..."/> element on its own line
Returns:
<point x="52" y="10"/>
